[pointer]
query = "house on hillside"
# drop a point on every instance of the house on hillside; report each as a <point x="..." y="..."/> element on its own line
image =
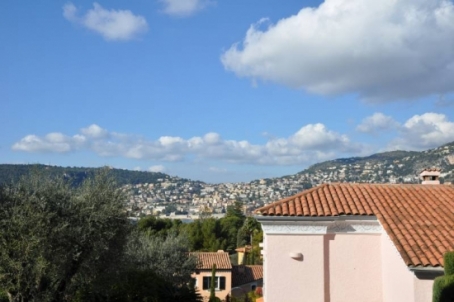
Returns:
<point x="357" y="242"/>
<point x="230" y="280"/>
<point x="203" y="273"/>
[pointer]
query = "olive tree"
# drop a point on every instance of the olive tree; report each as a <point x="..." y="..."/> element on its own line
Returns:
<point x="55" y="238"/>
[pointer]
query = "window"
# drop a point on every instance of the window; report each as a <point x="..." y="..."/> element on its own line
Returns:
<point x="253" y="287"/>
<point x="219" y="283"/>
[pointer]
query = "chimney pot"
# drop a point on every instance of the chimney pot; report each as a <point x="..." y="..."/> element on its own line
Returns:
<point x="430" y="176"/>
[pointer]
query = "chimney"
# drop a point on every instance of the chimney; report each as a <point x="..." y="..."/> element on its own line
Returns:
<point x="430" y="176"/>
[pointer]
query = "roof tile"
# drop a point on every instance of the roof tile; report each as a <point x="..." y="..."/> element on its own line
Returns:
<point x="243" y="274"/>
<point x="205" y="260"/>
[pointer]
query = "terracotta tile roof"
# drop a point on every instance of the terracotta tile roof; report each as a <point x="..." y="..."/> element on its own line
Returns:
<point x="243" y="274"/>
<point x="419" y="219"/>
<point x="205" y="260"/>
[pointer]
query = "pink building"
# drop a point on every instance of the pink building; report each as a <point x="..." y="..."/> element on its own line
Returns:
<point x="223" y="276"/>
<point x="236" y="280"/>
<point x="357" y="242"/>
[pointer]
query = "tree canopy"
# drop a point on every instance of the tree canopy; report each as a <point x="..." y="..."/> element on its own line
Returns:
<point x="66" y="243"/>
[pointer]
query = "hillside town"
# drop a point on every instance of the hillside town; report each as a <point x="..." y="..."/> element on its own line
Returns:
<point x="174" y="197"/>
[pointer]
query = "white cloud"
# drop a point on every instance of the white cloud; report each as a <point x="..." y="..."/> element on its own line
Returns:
<point x="376" y="123"/>
<point x="424" y="131"/>
<point x="312" y="143"/>
<point x="157" y="168"/>
<point x="380" y="50"/>
<point x="111" y="24"/>
<point x="94" y="131"/>
<point x="52" y="142"/>
<point x="183" y="7"/>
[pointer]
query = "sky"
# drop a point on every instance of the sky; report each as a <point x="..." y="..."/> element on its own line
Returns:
<point x="222" y="90"/>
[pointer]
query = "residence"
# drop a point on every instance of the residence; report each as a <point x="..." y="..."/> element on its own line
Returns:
<point x="235" y="280"/>
<point x="203" y="273"/>
<point x="357" y="242"/>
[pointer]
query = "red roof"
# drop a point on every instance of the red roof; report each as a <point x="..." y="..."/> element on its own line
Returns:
<point x="418" y="218"/>
<point x="205" y="260"/>
<point x="244" y="274"/>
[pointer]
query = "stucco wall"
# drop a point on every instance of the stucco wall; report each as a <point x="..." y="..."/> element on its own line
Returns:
<point x="219" y="293"/>
<point x="423" y="290"/>
<point x="397" y="279"/>
<point x="354" y="268"/>
<point x="399" y="283"/>
<point x="291" y="280"/>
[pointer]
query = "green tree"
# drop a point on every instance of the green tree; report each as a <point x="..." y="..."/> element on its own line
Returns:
<point x="213" y="297"/>
<point x="155" y="226"/>
<point x="56" y="239"/>
<point x="236" y="210"/>
<point x="167" y="257"/>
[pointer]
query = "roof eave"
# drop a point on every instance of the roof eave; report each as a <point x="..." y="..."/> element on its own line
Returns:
<point x="428" y="272"/>
<point x="314" y="218"/>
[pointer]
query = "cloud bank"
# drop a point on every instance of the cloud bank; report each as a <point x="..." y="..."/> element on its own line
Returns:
<point x="420" y="132"/>
<point x="311" y="143"/>
<point x="380" y="50"/>
<point x="113" y="25"/>
<point x="376" y="123"/>
<point x="183" y="8"/>
<point x="425" y="131"/>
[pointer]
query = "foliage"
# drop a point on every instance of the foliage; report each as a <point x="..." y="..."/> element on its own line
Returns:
<point x="3" y="296"/>
<point x="212" y="285"/>
<point x="235" y="210"/>
<point x="155" y="226"/>
<point x="55" y="238"/>
<point x="62" y="243"/>
<point x="449" y="263"/>
<point x="167" y="257"/>
<point x="141" y="285"/>
<point x="77" y="175"/>
<point x="443" y="287"/>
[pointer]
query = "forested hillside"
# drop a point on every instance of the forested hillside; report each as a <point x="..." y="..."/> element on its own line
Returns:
<point x="11" y="173"/>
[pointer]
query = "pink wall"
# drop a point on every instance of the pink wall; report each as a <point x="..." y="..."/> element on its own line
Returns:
<point x="290" y="280"/>
<point x="423" y="290"/>
<point x="354" y="267"/>
<point x="339" y="267"/>
<point x="397" y="279"/>
<point x="221" y="294"/>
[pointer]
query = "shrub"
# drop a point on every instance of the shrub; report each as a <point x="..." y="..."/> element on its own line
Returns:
<point x="443" y="287"/>
<point x="449" y="263"/>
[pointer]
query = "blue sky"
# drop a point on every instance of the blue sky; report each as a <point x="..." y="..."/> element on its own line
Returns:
<point x="223" y="91"/>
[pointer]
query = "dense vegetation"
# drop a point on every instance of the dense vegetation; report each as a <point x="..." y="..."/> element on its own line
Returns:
<point x="210" y="234"/>
<point x="77" y="175"/>
<point x="443" y="287"/>
<point x="65" y="243"/>
<point x="61" y="242"/>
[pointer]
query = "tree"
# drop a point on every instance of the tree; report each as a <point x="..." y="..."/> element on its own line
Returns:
<point x="167" y="257"/>
<point x="235" y="210"/>
<point x="155" y="226"/>
<point x="213" y="297"/>
<point x="55" y="238"/>
<point x="212" y="285"/>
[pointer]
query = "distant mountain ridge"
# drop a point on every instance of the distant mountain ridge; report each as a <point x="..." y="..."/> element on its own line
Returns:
<point x="393" y="166"/>
<point x="386" y="167"/>
<point x="12" y="173"/>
